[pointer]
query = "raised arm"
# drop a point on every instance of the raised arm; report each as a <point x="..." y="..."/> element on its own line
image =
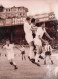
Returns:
<point x="48" y="36"/>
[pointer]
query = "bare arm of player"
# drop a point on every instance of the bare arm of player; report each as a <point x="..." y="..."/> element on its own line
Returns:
<point x="42" y="39"/>
<point x="48" y="36"/>
<point x="16" y="47"/>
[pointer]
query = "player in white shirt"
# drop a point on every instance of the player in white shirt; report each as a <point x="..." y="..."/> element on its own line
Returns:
<point x="48" y="51"/>
<point x="39" y="40"/>
<point x="28" y="36"/>
<point x="10" y="53"/>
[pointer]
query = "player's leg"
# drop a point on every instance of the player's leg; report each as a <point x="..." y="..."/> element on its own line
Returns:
<point x="46" y="54"/>
<point x="45" y="60"/>
<point x="14" y="64"/>
<point x="34" y="46"/>
<point x="51" y="59"/>
<point x="10" y="61"/>
<point x="22" y="56"/>
<point x="31" y="53"/>
<point x="37" y="54"/>
<point x="38" y="44"/>
<point x="40" y="50"/>
<point x="29" y="39"/>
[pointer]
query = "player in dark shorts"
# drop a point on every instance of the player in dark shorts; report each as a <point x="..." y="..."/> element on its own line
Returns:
<point x="23" y="53"/>
<point x="48" y="50"/>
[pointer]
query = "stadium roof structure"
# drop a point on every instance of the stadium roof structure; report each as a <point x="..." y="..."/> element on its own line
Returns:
<point x="12" y="16"/>
<point x="44" y="17"/>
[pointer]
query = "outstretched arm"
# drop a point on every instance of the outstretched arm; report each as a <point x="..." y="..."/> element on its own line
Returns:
<point x="48" y="36"/>
<point x="42" y="39"/>
<point x="17" y="47"/>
